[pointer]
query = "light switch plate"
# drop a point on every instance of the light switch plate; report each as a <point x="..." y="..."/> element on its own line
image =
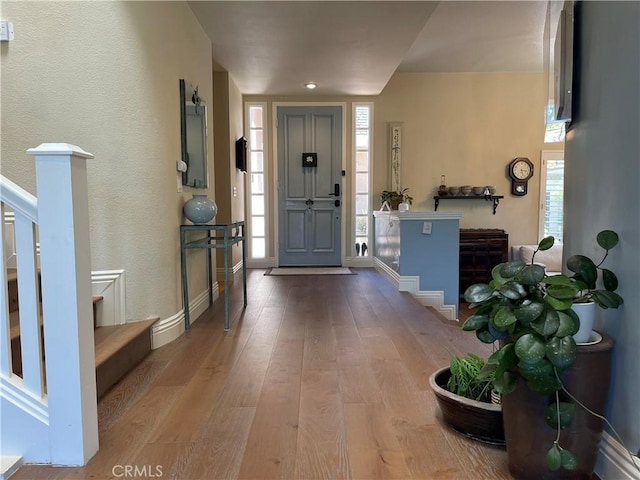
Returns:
<point x="426" y="228"/>
<point x="6" y="31"/>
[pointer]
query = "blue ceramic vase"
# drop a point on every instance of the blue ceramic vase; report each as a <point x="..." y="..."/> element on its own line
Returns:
<point x="200" y="209"/>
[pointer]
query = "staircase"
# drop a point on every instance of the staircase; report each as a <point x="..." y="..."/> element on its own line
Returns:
<point x="49" y="411"/>
<point x="118" y="348"/>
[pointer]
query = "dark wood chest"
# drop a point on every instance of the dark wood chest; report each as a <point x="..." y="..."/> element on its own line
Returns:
<point x="480" y="250"/>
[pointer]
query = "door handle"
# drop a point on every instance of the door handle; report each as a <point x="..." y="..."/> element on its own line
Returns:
<point x="336" y="190"/>
<point x="309" y="202"/>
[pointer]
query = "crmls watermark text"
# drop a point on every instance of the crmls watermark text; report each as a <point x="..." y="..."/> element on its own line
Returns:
<point x="137" y="471"/>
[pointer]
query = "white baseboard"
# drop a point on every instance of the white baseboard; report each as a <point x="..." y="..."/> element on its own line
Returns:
<point x="361" y="262"/>
<point x="235" y="269"/>
<point x="269" y="262"/>
<point x="111" y="285"/>
<point x="435" y="299"/>
<point x="411" y="284"/>
<point x="9" y="464"/>
<point x="387" y="271"/>
<point x="167" y="330"/>
<point x="614" y="462"/>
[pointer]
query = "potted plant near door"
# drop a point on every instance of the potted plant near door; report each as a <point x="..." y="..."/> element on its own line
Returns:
<point x="465" y="400"/>
<point x="540" y="370"/>
<point x="395" y="197"/>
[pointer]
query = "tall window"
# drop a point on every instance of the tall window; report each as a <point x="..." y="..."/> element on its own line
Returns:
<point x="552" y="194"/>
<point x="255" y="115"/>
<point x="362" y="122"/>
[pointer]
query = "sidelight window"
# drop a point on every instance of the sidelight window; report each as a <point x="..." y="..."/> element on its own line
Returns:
<point x="362" y="141"/>
<point x="256" y="225"/>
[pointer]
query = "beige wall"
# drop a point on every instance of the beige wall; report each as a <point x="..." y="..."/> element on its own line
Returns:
<point x="467" y="127"/>
<point x="228" y="115"/>
<point x="104" y="76"/>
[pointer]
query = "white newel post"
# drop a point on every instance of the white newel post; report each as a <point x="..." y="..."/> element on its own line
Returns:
<point x="63" y="216"/>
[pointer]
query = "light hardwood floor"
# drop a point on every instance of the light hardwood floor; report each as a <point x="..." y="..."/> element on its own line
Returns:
<point x="321" y="377"/>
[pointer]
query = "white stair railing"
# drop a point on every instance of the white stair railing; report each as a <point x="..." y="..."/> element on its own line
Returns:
<point x="56" y="423"/>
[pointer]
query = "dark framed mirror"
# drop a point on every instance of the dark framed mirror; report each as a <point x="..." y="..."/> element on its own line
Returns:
<point x="193" y="129"/>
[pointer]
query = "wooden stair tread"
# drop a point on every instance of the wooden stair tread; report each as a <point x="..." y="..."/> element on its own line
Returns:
<point x="14" y="318"/>
<point x="109" y="340"/>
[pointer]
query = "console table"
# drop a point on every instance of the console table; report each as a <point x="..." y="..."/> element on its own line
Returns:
<point x="217" y="236"/>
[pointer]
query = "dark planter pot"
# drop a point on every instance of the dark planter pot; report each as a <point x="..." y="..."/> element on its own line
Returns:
<point x="478" y="420"/>
<point x="529" y="437"/>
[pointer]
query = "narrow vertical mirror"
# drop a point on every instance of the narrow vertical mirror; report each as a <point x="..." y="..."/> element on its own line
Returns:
<point x="193" y="128"/>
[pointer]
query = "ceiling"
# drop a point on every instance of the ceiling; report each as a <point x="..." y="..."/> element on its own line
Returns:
<point x="353" y="48"/>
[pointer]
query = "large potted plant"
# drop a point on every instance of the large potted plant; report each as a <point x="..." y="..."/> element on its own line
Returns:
<point x="465" y="400"/>
<point x="540" y="370"/>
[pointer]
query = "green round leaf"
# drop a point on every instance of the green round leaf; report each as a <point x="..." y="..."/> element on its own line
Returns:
<point x="498" y="334"/>
<point x="554" y="458"/>
<point x="567" y="411"/>
<point x="503" y="318"/>
<point x="561" y="352"/>
<point x="530" y="275"/>
<point x="562" y="292"/>
<point x="475" y="322"/>
<point x="569" y="461"/>
<point x="557" y="280"/>
<point x="546" y="243"/>
<point x="530" y="348"/>
<point x="607" y="299"/>
<point x="569" y="324"/>
<point x="478" y="293"/>
<point x="585" y="268"/>
<point x="536" y="371"/>
<point x="547" y="324"/>
<point x="485" y="336"/>
<point x="497" y="279"/>
<point x="607" y="239"/>
<point x="510" y="269"/>
<point x="513" y="290"/>
<point x="528" y="311"/>
<point x="609" y="280"/>
<point x="556" y="304"/>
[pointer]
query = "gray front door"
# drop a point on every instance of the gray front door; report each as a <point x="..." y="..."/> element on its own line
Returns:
<point x="310" y="186"/>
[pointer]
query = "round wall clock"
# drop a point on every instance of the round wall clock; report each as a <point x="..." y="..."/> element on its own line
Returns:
<point x="520" y="170"/>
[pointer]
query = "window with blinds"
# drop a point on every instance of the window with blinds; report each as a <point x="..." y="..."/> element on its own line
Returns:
<point x="552" y="195"/>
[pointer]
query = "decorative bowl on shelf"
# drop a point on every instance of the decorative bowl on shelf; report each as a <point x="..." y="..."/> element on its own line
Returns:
<point x="454" y="191"/>
<point x="465" y="190"/>
<point x="478" y="190"/>
<point x="492" y="189"/>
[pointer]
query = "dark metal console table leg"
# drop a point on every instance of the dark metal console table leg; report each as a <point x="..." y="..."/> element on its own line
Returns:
<point x="226" y="280"/>
<point x="244" y="265"/>
<point x="185" y="293"/>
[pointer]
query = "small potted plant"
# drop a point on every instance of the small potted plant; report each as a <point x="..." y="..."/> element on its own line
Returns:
<point x="585" y="278"/>
<point x="395" y="197"/>
<point x="465" y="400"/>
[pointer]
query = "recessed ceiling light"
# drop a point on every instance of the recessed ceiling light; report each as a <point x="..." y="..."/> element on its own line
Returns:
<point x="311" y="85"/>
